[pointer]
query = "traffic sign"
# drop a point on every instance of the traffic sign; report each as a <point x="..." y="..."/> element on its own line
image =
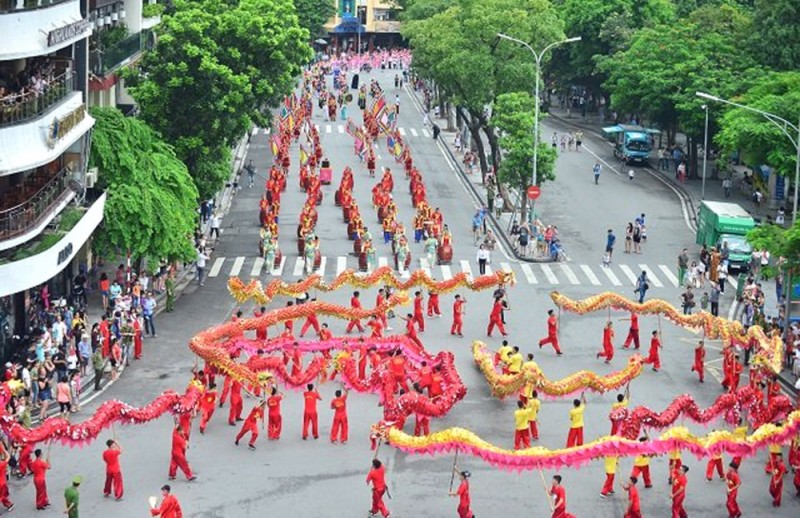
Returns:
<point x="534" y="191"/>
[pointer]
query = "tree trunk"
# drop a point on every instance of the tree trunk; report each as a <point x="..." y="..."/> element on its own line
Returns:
<point x="450" y="121"/>
<point x="494" y="145"/>
<point x="474" y="129"/>
<point x="693" y="170"/>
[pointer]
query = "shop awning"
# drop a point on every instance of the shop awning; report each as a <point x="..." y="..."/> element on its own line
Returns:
<point x="349" y="25"/>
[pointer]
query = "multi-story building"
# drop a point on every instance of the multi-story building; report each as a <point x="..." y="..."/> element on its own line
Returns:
<point x="368" y="23"/>
<point x="46" y="217"/>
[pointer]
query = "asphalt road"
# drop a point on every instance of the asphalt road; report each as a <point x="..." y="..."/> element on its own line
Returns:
<point x="314" y="478"/>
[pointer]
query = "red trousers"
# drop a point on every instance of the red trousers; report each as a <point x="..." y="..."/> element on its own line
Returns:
<point x="645" y="472"/>
<point x="226" y="388"/>
<point x="24" y="463"/>
<point x="732" y="505"/>
<point x="377" y="502"/>
<point x="522" y="438"/>
<point x="575" y="437"/>
<point x="632" y="514"/>
<point x="609" y="484"/>
<point x="310" y="419"/>
<point x="551" y="339"/>
<point x="607" y="352"/>
<point x="205" y="417"/>
<point x="433" y="307"/>
<point x="534" y="427"/>
<point x="339" y="429"/>
<point x="677" y="508"/>
<point x="498" y="323"/>
<point x="768" y="468"/>
<point x="274" y="425"/>
<point x="714" y="463"/>
<point x="614" y="427"/>
<point x="248" y="427"/>
<point x="464" y="512"/>
<point x="698" y="368"/>
<point x="4" y="495"/>
<point x="457" y="326"/>
<point x="633" y="336"/>
<point x="423" y="426"/>
<point x="776" y="490"/>
<point x="235" y="412"/>
<point x="400" y="381"/>
<point x="137" y="347"/>
<point x="114" y="481"/>
<point x="41" y="494"/>
<point x="179" y="461"/>
<point x="307" y="324"/>
<point x="355" y="323"/>
<point x="419" y="319"/>
<point x="654" y="359"/>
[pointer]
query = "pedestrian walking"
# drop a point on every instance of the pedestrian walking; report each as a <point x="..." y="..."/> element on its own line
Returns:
<point x="610" y="240"/>
<point x="642" y="286"/>
<point x="687" y="301"/>
<point x="72" y="498"/>
<point x="596" y="171"/>
<point x="484" y="257"/>
<point x="148" y="313"/>
<point x="726" y="187"/>
<point x="202" y="257"/>
<point x="683" y="266"/>
<point x="216" y="221"/>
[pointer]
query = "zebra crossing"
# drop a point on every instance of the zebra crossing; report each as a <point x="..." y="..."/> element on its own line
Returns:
<point x="546" y="274"/>
<point x="330" y="128"/>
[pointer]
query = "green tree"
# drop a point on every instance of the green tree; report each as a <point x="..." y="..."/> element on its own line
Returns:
<point x="313" y="14"/>
<point x="776" y="38"/>
<point x="513" y="116"/>
<point x="760" y="141"/>
<point x="151" y="209"/>
<point x="217" y="68"/>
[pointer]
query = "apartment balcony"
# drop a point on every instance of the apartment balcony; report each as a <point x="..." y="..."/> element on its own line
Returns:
<point x="19" y="108"/>
<point x="40" y="27"/>
<point x="105" y="61"/>
<point x="385" y="26"/>
<point x="50" y="254"/>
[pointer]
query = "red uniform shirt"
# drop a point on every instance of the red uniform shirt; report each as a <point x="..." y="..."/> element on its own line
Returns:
<point x="398" y="366"/>
<point x="463" y="494"/>
<point x="339" y="405"/>
<point x="417" y="304"/>
<point x="311" y="397"/>
<point x="497" y="309"/>
<point x="633" y="499"/>
<point x="377" y="328"/>
<point x="733" y="481"/>
<point x="560" y="496"/>
<point x="425" y="376"/>
<point x="355" y="303"/>
<point x="274" y="404"/>
<point x="325" y="334"/>
<point x="552" y="325"/>
<point x="377" y="477"/>
<point x="435" y="388"/>
<point x="254" y="415"/>
<point x="169" y="508"/>
<point x="178" y="443"/>
<point x="457" y="311"/>
<point x="111" y="458"/>
<point x="635" y="327"/>
<point x="699" y="355"/>
<point x="208" y="400"/>
<point x="679" y="486"/>
<point x="39" y="468"/>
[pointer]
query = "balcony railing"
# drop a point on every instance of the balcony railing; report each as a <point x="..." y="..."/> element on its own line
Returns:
<point x="106" y="60"/>
<point x="25" y="215"/>
<point x="17" y="108"/>
<point x="10" y="6"/>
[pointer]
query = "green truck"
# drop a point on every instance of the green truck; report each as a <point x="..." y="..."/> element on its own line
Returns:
<point x="729" y="223"/>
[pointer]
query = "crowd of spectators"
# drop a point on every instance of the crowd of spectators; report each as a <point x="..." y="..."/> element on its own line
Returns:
<point x="30" y="84"/>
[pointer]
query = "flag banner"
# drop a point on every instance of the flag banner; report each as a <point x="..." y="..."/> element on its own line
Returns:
<point x="304" y="157"/>
<point x="274" y="143"/>
<point x="378" y="106"/>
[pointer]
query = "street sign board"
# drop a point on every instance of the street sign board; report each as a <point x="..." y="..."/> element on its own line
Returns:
<point x="534" y="191"/>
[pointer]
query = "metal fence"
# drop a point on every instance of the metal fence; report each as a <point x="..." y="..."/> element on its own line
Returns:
<point x="18" y="219"/>
<point x="22" y="107"/>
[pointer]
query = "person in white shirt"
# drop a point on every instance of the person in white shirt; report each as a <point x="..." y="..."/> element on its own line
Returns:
<point x="202" y="257"/>
<point x="484" y="258"/>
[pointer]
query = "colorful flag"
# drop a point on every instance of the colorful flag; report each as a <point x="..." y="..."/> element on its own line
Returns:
<point x="275" y="143"/>
<point x="303" y="156"/>
<point x="378" y="106"/>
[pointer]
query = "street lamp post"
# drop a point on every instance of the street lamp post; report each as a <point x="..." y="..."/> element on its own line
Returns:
<point x="537" y="57"/>
<point x="784" y="126"/>
<point x="705" y="155"/>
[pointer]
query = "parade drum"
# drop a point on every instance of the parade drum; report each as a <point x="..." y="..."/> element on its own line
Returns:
<point x="278" y="258"/>
<point x="301" y="246"/>
<point x="357" y="246"/>
<point x="319" y="197"/>
<point x="348" y="98"/>
<point x="325" y="174"/>
<point x="317" y="259"/>
<point x="362" y="262"/>
<point x="337" y="198"/>
<point x="351" y="229"/>
<point x="346" y="214"/>
<point x="445" y="253"/>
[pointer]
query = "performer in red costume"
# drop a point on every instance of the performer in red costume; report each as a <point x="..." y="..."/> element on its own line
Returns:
<point x="178" y="455"/>
<point x="377" y="476"/>
<point x="208" y="402"/>
<point x="653" y="357"/>
<point x="418" y="313"/>
<point x="355" y="303"/>
<point x="251" y="425"/>
<point x="608" y="345"/>
<point x="699" y="360"/>
<point x="310" y="417"/>
<point x="170" y="507"/>
<point x="274" y="418"/>
<point x="559" y="499"/>
<point x="496" y="318"/>
<point x="732" y="484"/>
<point x="552" y="332"/>
<point x="339" y="429"/>
<point x="39" y="468"/>
<point x="113" y="470"/>
<point x="458" y="316"/>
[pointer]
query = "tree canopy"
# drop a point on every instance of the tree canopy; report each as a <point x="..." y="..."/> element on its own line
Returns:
<point x="776" y="38"/>
<point x="152" y="201"/>
<point x="313" y="14"/>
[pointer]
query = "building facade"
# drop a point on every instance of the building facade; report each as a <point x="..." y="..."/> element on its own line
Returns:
<point x="371" y="24"/>
<point x="47" y="210"/>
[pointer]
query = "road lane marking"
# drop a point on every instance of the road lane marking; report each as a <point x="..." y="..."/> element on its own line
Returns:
<point x="526" y="270"/>
<point x="328" y="128"/>
<point x="279" y="270"/>
<point x="340" y="128"/>
<point x="446" y="273"/>
<point x="551" y="277"/>
<point x="611" y="275"/>
<point x="402" y="132"/>
<point x="322" y="262"/>
<point x="216" y="267"/>
<point x="506" y="267"/>
<point x="237" y="266"/>
<point x="341" y="265"/>
<point x="668" y="273"/>
<point x="383" y="261"/>
<point x="256" y="271"/>
<point x="570" y="274"/>
<point x="628" y="273"/>
<point x="488" y="270"/>
<point x="466" y="268"/>
<point x="590" y="274"/>
<point x="423" y="264"/>
<point x="425" y="132"/>
<point x="414" y="132"/>
<point x="651" y="276"/>
<point x="298" y="267"/>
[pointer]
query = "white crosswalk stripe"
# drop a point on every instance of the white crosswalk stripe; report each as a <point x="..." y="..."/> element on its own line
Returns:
<point x="298" y="267"/>
<point x="383" y="261"/>
<point x="322" y="262"/>
<point x="488" y="270"/>
<point x="423" y="264"/>
<point x="218" y="262"/>
<point x="651" y="276"/>
<point x="465" y="267"/>
<point x="414" y="132"/>
<point x="402" y="132"/>
<point x="590" y="274"/>
<point x="237" y="266"/>
<point x="425" y="132"/>
<point x="341" y="265"/>
<point x="277" y="272"/>
<point x="506" y="267"/>
<point x="340" y="128"/>
<point x="526" y="270"/>
<point x="257" y="265"/>
<point x="611" y="276"/>
<point x="628" y="273"/>
<point x="668" y="274"/>
<point x="570" y="274"/>
<point x="447" y="274"/>
<point x="328" y="128"/>
<point x="551" y="277"/>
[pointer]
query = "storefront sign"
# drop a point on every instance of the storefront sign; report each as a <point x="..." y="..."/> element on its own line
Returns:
<point x="62" y="126"/>
<point x="64" y="254"/>
<point x="67" y="32"/>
